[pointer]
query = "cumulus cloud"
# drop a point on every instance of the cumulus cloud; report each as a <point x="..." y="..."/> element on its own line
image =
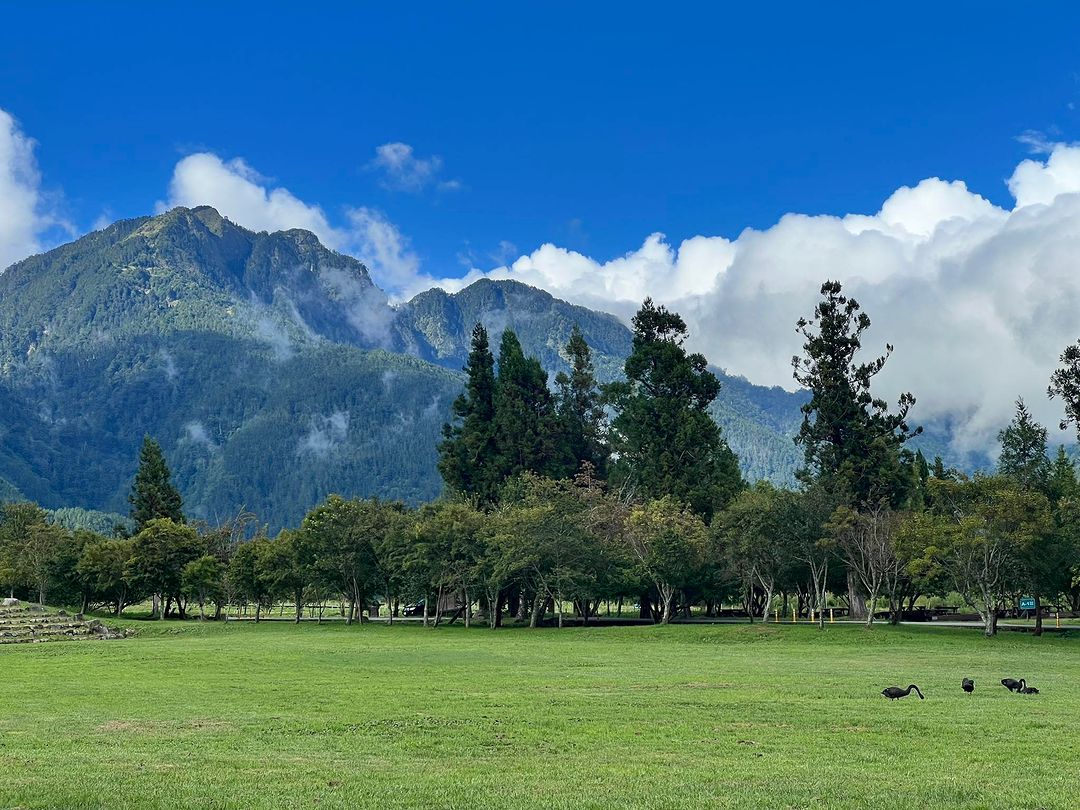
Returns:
<point x="402" y="170"/>
<point x="979" y="300"/>
<point x="249" y="199"/>
<point x="26" y="215"/>
<point x="243" y="195"/>
<point x="384" y="249"/>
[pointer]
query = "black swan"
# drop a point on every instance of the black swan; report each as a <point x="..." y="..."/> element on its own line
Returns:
<point x="968" y="685"/>
<point x="895" y="692"/>
<point x="1028" y="690"/>
<point x="1012" y="685"/>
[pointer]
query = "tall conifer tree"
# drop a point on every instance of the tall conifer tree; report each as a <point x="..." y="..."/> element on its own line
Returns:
<point x="526" y="434"/>
<point x="848" y="435"/>
<point x="663" y="436"/>
<point x="153" y="495"/>
<point x="467" y="453"/>
<point x="581" y="416"/>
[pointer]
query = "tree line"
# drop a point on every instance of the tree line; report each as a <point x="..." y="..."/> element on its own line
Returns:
<point x="563" y="497"/>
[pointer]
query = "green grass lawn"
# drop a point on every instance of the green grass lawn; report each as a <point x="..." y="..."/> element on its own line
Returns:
<point x="246" y="716"/>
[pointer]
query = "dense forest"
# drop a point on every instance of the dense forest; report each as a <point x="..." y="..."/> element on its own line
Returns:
<point x="564" y="494"/>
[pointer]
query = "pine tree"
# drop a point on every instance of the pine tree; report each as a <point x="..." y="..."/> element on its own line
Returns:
<point x="526" y="434"/>
<point x="1023" y="451"/>
<point x="664" y="438"/>
<point x="1062" y="482"/>
<point x="847" y="434"/>
<point x="153" y="495"/>
<point x="581" y="416"/>
<point x="467" y="453"/>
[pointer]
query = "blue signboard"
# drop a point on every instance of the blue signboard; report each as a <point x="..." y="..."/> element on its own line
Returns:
<point x="1027" y="603"/>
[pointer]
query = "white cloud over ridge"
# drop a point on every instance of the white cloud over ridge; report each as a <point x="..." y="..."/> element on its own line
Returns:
<point x="25" y="214"/>
<point x="240" y="193"/>
<point x="978" y="300"/>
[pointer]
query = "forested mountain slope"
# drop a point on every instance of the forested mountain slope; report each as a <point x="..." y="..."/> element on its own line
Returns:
<point x="271" y="369"/>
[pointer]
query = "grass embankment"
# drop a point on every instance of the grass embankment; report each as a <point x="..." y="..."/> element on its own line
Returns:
<point x="687" y="716"/>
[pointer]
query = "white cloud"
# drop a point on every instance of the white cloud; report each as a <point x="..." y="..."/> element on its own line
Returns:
<point x="240" y="193"/>
<point x="978" y="300"/>
<point x="25" y="211"/>
<point x="383" y="248"/>
<point x="402" y="170"/>
<point x="1036" y="182"/>
<point x="325" y="434"/>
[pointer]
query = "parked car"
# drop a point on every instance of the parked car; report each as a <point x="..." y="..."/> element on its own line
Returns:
<point x="416" y="609"/>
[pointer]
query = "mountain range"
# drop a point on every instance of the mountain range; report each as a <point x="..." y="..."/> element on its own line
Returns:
<point x="272" y="370"/>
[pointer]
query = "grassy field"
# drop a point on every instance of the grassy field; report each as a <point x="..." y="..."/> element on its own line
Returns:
<point x="189" y="716"/>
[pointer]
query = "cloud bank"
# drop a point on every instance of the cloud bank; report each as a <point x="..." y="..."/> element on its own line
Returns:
<point x="978" y="300"/>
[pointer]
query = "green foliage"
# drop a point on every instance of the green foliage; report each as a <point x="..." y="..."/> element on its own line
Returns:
<point x="662" y="435"/>
<point x="468" y="451"/>
<point x="580" y="411"/>
<point x="153" y="495"/>
<point x="104" y="570"/>
<point x="669" y="543"/>
<point x="846" y="432"/>
<point x="203" y="579"/>
<point x="524" y="425"/>
<point x="1023" y="451"/>
<point x="158" y="557"/>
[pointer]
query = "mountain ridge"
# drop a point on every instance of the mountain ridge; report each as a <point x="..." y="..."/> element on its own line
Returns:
<point x="272" y="369"/>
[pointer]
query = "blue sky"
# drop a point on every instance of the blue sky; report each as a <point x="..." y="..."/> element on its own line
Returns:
<point x="932" y="148"/>
<point x="589" y="125"/>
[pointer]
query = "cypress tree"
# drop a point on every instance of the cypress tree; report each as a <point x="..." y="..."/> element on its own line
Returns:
<point x="467" y="452"/>
<point x="153" y="495"/>
<point x="1023" y="451"/>
<point x="581" y="416"/>
<point x="526" y="436"/>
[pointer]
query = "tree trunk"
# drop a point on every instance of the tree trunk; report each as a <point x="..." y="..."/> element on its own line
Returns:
<point x="427" y="607"/>
<point x="513" y="602"/>
<point x="669" y="605"/>
<point x="646" y="607"/>
<point x="202" y="612"/>
<point x="258" y="612"/>
<point x="1038" y="615"/>
<point x="856" y="602"/>
<point x="535" y="613"/>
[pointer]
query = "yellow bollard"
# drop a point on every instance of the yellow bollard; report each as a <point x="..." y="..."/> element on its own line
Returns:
<point x="832" y="619"/>
<point x="1057" y="620"/>
<point x="812" y="617"/>
<point x="794" y="618"/>
<point x="776" y="616"/>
